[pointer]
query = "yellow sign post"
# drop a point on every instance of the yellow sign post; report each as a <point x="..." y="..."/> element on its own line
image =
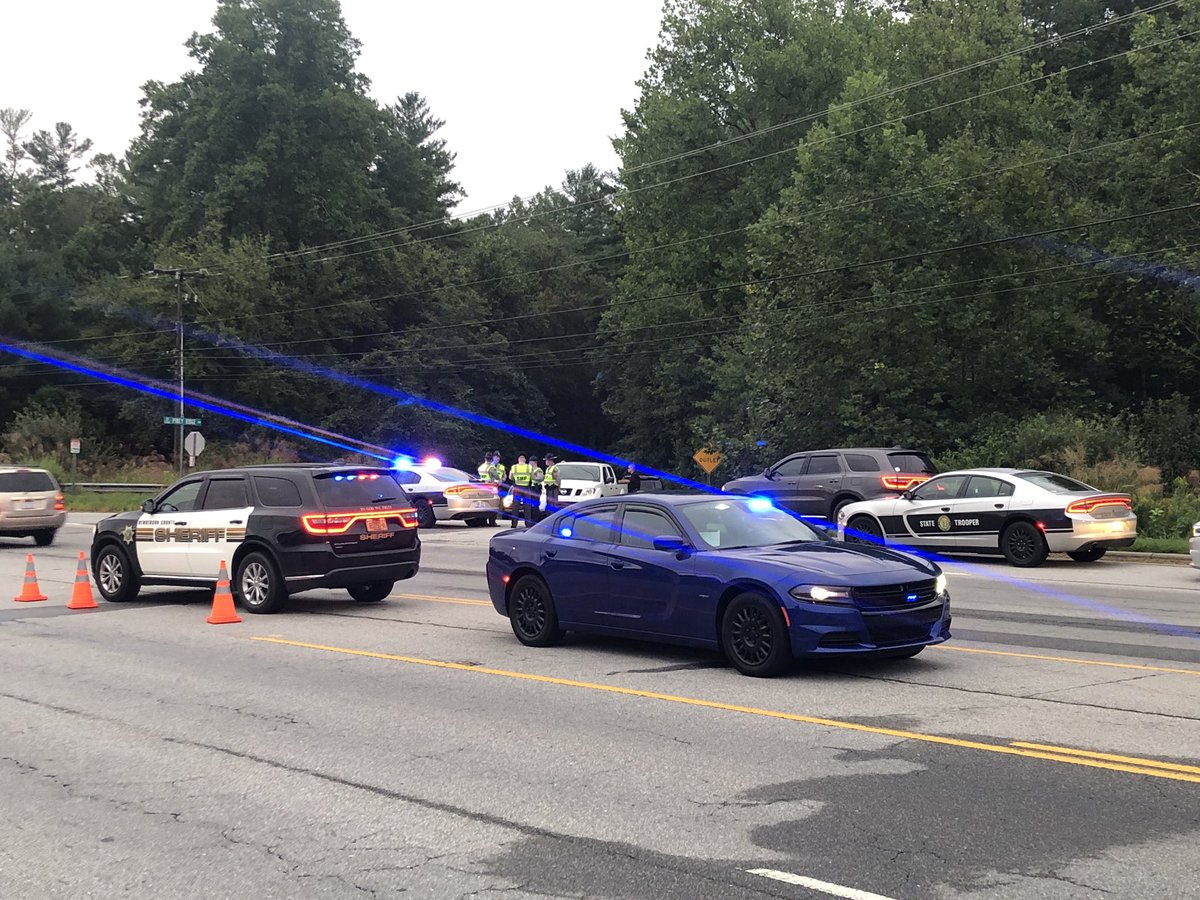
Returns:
<point x="707" y="459"/>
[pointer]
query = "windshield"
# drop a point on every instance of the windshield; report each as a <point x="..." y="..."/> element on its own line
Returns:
<point x="452" y="475"/>
<point x="354" y="490"/>
<point x="1056" y="484"/>
<point x="578" y="472"/>
<point x="751" y="522"/>
<point x="26" y="482"/>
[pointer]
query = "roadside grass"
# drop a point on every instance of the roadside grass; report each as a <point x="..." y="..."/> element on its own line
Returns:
<point x="1160" y="545"/>
<point x="93" y="501"/>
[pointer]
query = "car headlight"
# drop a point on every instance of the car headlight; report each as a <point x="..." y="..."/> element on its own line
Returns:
<point x="941" y="584"/>
<point x="818" y="593"/>
<point x="592" y="491"/>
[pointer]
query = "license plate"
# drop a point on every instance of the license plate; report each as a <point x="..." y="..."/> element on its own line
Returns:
<point x="480" y="504"/>
<point x="29" y="504"/>
<point x="377" y="525"/>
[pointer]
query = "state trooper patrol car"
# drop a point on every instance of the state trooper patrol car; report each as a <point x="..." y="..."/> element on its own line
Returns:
<point x="281" y="529"/>
<point x="1022" y="514"/>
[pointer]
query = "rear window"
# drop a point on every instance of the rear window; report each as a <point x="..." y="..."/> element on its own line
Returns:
<point x="277" y="492"/>
<point x="26" y="482"/>
<point x="1056" y="484"/>
<point x="862" y="462"/>
<point x="352" y="490"/>
<point x="911" y="463"/>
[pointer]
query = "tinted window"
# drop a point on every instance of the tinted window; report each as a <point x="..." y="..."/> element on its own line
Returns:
<point x="1056" y="484"/>
<point x="735" y="522"/>
<point x="594" y="525"/>
<point x="406" y="477"/>
<point x="944" y="488"/>
<point x="980" y="486"/>
<point x="354" y="490"/>
<point x="823" y="465"/>
<point x="26" y="482"/>
<point x="451" y="475"/>
<point x="911" y="463"/>
<point x="792" y="467"/>
<point x="181" y="499"/>
<point x="640" y="527"/>
<point x="861" y="462"/>
<point x="226" y="493"/>
<point x="277" y="492"/>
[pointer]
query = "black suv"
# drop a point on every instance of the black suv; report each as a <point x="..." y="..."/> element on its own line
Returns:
<point x="820" y="482"/>
<point x="281" y="530"/>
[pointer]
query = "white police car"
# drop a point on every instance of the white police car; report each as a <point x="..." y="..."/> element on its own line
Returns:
<point x="1022" y="514"/>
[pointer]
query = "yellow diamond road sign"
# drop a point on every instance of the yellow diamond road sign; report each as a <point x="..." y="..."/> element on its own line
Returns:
<point x="707" y="459"/>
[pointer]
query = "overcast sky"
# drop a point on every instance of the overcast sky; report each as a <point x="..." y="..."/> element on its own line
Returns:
<point x="528" y="88"/>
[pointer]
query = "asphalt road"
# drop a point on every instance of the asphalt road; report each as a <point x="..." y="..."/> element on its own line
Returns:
<point x="413" y="748"/>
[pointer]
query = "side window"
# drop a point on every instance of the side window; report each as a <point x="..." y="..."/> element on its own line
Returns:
<point x="610" y="477"/>
<point x="861" y="462"/>
<point x="277" y="492"/>
<point x="404" y="476"/>
<point x="792" y="467"/>
<point x="226" y="493"/>
<point x="181" y="499"/>
<point x="945" y="488"/>
<point x="598" y="525"/>
<point x="979" y="487"/>
<point x="640" y="527"/>
<point x="823" y="465"/>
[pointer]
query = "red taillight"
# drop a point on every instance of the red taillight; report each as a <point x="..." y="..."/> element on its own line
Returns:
<point x="466" y="488"/>
<point x="1091" y="504"/>
<point x="902" y="482"/>
<point x="324" y="524"/>
<point x="59" y="503"/>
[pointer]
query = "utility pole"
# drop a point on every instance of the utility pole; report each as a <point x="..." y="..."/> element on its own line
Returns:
<point x="179" y="274"/>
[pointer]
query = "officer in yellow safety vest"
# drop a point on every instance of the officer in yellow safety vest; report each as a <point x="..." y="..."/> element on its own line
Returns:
<point x="551" y="482"/>
<point x="485" y="468"/>
<point x="536" y="496"/>
<point x="522" y="478"/>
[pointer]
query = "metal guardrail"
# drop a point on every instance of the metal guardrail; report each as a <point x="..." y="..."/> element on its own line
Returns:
<point x="99" y="487"/>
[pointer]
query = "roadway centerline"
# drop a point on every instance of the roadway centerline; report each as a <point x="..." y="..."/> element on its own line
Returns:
<point x="1069" y="755"/>
<point x="815" y="884"/>
<point x="1074" y="660"/>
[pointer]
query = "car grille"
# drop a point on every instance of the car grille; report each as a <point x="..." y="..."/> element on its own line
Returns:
<point x="895" y="596"/>
<point x="903" y="628"/>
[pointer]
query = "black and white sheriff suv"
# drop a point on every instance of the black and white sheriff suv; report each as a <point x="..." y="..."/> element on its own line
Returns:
<point x="281" y="529"/>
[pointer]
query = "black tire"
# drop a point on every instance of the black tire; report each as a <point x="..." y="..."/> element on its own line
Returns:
<point x="257" y="584"/>
<point x="426" y="518"/>
<point x="44" y="538"/>
<point x="868" y="526"/>
<point x="754" y="637"/>
<point x="115" y="577"/>
<point x="477" y="522"/>
<point x="1086" y="556"/>
<point x="837" y="508"/>
<point x="371" y="593"/>
<point x="906" y="653"/>
<point x="1023" y="545"/>
<point x="532" y="614"/>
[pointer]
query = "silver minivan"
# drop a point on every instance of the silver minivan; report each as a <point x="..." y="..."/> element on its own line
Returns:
<point x="31" y="504"/>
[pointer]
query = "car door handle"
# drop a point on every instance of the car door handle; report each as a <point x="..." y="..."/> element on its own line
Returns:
<point x="616" y="564"/>
<point x="999" y="505"/>
<point x="235" y="521"/>
<point x="181" y="523"/>
<point x="945" y="509"/>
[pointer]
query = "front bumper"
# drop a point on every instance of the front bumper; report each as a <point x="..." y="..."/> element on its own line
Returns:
<point x="826" y="630"/>
<point x="10" y="524"/>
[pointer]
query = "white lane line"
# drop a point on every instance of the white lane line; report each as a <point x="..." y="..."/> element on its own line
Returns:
<point x="825" y="887"/>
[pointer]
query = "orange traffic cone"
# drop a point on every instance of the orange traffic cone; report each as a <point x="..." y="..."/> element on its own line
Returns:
<point x="81" y="594"/>
<point x="30" y="590"/>
<point x="223" y="612"/>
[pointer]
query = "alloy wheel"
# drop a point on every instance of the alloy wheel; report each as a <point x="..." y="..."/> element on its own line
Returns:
<point x="111" y="574"/>
<point x="256" y="584"/>
<point x="530" y="611"/>
<point x="751" y="636"/>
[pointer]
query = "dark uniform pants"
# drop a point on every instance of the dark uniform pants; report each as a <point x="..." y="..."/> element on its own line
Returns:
<point x="551" y="500"/>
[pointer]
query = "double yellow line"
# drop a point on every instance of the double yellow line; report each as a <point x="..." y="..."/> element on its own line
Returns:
<point x="1073" y="756"/>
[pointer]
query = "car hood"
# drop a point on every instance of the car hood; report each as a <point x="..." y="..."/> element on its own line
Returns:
<point x="836" y="562"/>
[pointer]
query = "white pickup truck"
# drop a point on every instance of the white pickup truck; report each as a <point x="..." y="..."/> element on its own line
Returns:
<point x="585" y="480"/>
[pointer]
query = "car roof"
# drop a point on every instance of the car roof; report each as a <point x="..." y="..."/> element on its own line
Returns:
<point x="293" y="467"/>
<point x="7" y="469"/>
<point x="860" y="450"/>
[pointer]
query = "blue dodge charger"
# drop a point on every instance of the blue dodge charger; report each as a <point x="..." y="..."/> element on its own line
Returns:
<point x="723" y="572"/>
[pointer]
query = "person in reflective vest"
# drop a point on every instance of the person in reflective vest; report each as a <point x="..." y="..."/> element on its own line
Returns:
<point x="537" y="494"/>
<point x="485" y="468"/>
<point x="522" y="478"/>
<point x="552" y="482"/>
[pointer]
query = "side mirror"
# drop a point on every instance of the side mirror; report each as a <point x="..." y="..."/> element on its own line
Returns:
<point x="148" y="506"/>
<point x="770" y="475"/>
<point x="907" y="495"/>
<point x="671" y="543"/>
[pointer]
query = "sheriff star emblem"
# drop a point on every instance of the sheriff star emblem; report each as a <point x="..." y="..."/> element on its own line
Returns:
<point x="127" y="534"/>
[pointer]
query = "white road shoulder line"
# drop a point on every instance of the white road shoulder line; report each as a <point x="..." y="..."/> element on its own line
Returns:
<point x="825" y="887"/>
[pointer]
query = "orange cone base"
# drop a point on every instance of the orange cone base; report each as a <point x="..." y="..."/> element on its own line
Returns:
<point x="34" y="599"/>
<point x="223" y="618"/>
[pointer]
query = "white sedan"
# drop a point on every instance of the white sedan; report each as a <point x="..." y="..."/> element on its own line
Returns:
<point x="1022" y="514"/>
